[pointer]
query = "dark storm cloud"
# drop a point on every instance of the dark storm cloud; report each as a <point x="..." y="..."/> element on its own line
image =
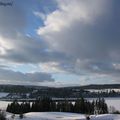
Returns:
<point x="9" y="75"/>
<point x="90" y="34"/>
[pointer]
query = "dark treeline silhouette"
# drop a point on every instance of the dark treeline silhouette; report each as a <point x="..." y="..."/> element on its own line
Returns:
<point x="46" y="105"/>
<point x="19" y="91"/>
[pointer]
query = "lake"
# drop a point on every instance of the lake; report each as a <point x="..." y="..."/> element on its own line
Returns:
<point x="115" y="102"/>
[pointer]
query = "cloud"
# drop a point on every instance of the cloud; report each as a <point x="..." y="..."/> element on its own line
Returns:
<point x="77" y="37"/>
<point x="80" y="29"/>
<point x="84" y="26"/>
<point x="24" y="49"/>
<point x="74" y="11"/>
<point x="17" y="47"/>
<point x="88" y="31"/>
<point x="18" y="43"/>
<point x="17" y="77"/>
<point x="51" y="67"/>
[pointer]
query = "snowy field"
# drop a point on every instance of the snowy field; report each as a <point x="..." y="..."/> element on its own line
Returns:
<point x="62" y="116"/>
<point x="102" y="90"/>
<point x="4" y="104"/>
<point x="49" y="116"/>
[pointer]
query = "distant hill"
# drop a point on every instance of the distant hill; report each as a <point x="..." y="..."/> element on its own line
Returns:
<point x="26" y="91"/>
<point x="29" y="88"/>
<point x="19" y="88"/>
<point x="100" y="86"/>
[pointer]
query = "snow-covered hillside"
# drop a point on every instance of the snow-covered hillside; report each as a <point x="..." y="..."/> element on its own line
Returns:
<point x="62" y="116"/>
<point x="102" y="90"/>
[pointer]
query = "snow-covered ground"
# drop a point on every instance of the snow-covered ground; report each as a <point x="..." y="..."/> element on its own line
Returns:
<point x="114" y="102"/>
<point x="49" y="116"/>
<point x="4" y="104"/>
<point x="105" y="117"/>
<point x="3" y="94"/>
<point x="102" y="90"/>
<point x="62" y="116"/>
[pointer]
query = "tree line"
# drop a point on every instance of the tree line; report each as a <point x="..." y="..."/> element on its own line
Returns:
<point x="47" y="105"/>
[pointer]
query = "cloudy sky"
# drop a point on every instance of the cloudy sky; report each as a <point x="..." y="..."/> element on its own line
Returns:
<point x="59" y="42"/>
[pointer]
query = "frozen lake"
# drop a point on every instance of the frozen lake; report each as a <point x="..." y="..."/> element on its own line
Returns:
<point x="115" y="102"/>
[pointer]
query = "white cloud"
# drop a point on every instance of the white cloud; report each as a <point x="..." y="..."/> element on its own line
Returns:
<point x="4" y="45"/>
<point x="88" y="32"/>
<point x="76" y="23"/>
<point x="70" y="12"/>
<point x="51" y="67"/>
<point x="40" y="14"/>
<point x="80" y="37"/>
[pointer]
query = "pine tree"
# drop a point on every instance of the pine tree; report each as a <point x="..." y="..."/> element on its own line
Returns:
<point x="53" y="106"/>
<point x="82" y="105"/>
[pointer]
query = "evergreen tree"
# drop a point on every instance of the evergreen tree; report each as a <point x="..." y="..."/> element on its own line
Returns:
<point x="53" y="106"/>
<point x="46" y="104"/>
<point x="59" y="106"/>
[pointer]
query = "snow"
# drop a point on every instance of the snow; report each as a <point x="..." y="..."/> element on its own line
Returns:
<point x="62" y="116"/>
<point x="55" y="116"/>
<point x="106" y="117"/>
<point x="3" y="94"/>
<point x="115" y="102"/>
<point x="4" y="104"/>
<point x="102" y="90"/>
<point x="50" y="116"/>
<point x="111" y="102"/>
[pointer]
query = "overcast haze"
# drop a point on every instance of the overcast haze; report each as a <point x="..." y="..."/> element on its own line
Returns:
<point x="60" y="42"/>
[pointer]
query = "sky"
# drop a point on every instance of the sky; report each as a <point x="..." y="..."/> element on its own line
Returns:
<point x="59" y="42"/>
